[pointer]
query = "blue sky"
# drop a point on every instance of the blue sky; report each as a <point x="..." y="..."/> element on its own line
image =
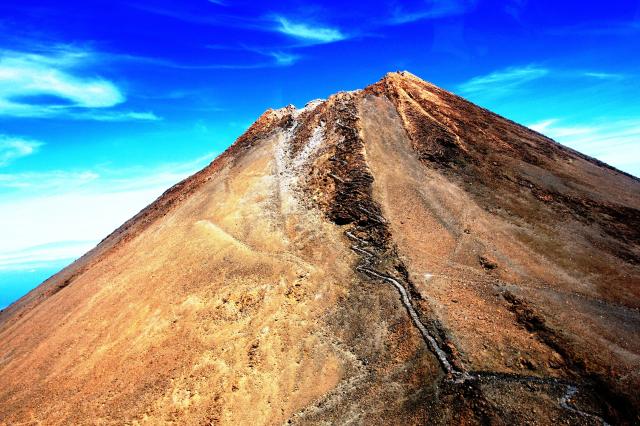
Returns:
<point x="103" y="105"/>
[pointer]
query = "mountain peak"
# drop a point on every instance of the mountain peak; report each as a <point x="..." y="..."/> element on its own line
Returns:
<point x="392" y="254"/>
<point x="402" y="75"/>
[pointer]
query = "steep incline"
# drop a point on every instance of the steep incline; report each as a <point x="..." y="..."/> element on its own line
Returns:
<point x="392" y="255"/>
<point x="554" y="233"/>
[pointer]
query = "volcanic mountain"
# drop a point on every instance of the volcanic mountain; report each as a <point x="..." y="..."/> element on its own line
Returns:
<point x="393" y="255"/>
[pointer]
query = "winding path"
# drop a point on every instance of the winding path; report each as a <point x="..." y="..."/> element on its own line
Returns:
<point x="455" y="375"/>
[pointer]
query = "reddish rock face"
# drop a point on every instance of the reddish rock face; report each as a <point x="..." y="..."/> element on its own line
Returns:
<point x="391" y="255"/>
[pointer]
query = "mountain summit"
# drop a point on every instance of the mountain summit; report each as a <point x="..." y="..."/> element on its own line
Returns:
<point x="393" y="255"/>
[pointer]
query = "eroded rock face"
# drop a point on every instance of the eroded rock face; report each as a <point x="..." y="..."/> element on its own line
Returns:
<point x="394" y="255"/>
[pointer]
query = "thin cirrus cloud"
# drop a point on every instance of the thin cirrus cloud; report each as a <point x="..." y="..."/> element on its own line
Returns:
<point x="304" y="32"/>
<point x="41" y="85"/>
<point x="42" y="211"/>
<point x="42" y="255"/>
<point x="46" y="181"/>
<point x="603" y="75"/>
<point x="551" y="128"/>
<point x="307" y="32"/>
<point x="98" y="115"/>
<point x="612" y="141"/>
<point x="98" y="179"/>
<point x="276" y="58"/>
<point x="503" y="81"/>
<point x="599" y="28"/>
<point x="431" y="10"/>
<point x="13" y="148"/>
<point x="279" y="58"/>
<point x="284" y="58"/>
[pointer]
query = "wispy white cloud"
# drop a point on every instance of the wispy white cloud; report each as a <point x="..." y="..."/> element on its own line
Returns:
<point x="279" y="57"/>
<point x="284" y="58"/>
<point x="40" y="212"/>
<point x="513" y="79"/>
<point x="553" y="130"/>
<point x="47" y="181"/>
<point x="42" y="255"/>
<point x="174" y="11"/>
<point x="598" y="28"/>
<point x="116" y="116"/>
<point x="613" y="141"/>
<point x="52" y="85"/>
<point x="432" y="9"/>
<point x="26" y="74"/>
<point x="308" y="32"/>
<point x="603" y="75"/>
<point x="275" y="61"/>
<point x="98" y="179"/>
<point x="12" y="148"/>
<point x="503" y="81"/>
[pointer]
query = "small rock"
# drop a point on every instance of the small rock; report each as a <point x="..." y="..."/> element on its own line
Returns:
<point x="528" y="363"/>
<point x="487" y="264"/>
<point x="556" y="360"/>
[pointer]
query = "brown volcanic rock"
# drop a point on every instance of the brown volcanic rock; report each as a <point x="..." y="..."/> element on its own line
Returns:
<point x="392" y="255"/>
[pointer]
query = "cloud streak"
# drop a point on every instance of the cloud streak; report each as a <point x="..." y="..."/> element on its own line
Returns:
<point x="278" y="58"/>
<point x="12" y="148"/>
<point x="308" y="32"/>
<point x="603" y="75"/>
<point x="599" y="28"/>
<point x="612" y="141"/>
<point x="40" y="212"/>
<point x="23" y="75"/>
<point x="42" y="255"/>
<point x="284" y="58"/>
<point x="433" y="10"/>
<point x="503" y="81"/>
<point x="551" y="128"/>
<point x="116" y="116"/>
<point x="40" y="85"/>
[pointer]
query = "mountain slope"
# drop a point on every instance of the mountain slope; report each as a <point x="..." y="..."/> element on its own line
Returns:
<point x="394" y="254"/>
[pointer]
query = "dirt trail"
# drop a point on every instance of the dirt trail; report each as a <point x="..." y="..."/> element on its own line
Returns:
<point x="376" y="255"/>
<point x="365" y="266"/>
<point x="455" y="375"/>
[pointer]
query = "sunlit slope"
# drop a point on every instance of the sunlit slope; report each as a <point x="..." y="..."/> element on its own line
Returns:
<point x="391" y="255"/>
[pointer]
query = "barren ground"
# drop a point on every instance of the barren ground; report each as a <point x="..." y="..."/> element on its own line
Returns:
<point x="393" y="255"/>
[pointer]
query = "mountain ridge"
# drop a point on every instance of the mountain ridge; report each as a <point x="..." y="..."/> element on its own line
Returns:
<point x="440" y="209"/>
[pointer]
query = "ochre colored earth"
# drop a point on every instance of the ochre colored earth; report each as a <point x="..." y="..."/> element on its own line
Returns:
<point x="394" y="255"/>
